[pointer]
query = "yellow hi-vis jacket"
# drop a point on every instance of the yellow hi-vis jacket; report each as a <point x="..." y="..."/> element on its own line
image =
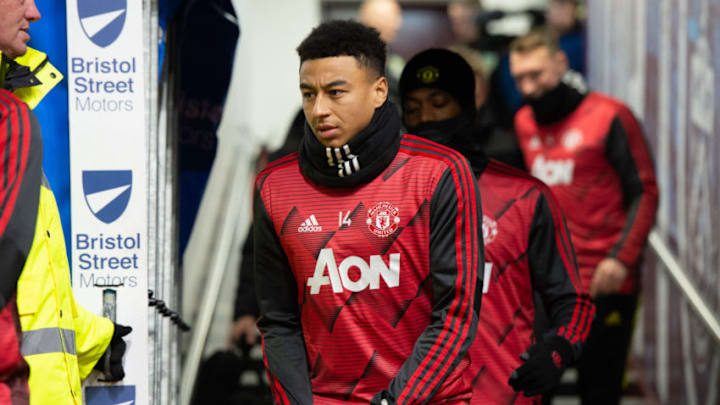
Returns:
<point x="61" y="341"/>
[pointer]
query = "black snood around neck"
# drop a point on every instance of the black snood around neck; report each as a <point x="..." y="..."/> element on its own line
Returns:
<point x="445" y="132"/>
<point x="458" y="133"/>
<point x="360" y="160"/>
<point x="556" y="104"/>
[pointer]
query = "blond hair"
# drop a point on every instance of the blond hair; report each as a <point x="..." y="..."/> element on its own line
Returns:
<point x="537" y="38"/>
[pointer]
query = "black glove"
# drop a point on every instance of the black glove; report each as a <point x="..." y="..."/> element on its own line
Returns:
<point x="111" y="361"/>
<point x="544" y="365"/>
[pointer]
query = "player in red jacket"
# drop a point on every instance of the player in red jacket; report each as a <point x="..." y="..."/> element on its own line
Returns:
<point x="20" y="178"/>
<point x="367" y="254"/>
<point x="591" y="151"/>
<point x="527" y="245"/>
<point x="21" y="168"/>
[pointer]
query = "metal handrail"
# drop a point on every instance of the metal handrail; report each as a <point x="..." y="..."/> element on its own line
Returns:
<point x="686" y="286"/>
<point x="220" y="259"/>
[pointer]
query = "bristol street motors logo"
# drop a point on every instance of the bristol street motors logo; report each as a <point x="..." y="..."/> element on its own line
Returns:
<point x="490" y="229"/>
<point x="107" y="192"/>
<point x="102" y="20"/>
<point x="110" y="395"/>
<point x="383" y="219"/>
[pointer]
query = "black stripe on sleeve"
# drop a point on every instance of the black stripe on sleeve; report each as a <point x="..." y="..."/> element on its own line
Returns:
<point x="555" y="275"/>
<point x="20" y="196"/>
<point x="627" y="152"/>
<point x="458" y="181"/>
<point x="276" y="289"/>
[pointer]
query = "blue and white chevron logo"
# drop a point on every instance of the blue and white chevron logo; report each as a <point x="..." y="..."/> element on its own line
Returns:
<point x="110" y="395"/>
<point x="102" y="20"/>
<point x="107" y="192"/>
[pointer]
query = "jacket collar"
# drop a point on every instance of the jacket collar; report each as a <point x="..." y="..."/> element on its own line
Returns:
<point x="31" y="76"/>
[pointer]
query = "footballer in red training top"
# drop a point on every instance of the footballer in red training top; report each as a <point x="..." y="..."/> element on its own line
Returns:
<point x="367" y="249"/>
<point x="589" y="149"/>
<point x="527" y="245"/>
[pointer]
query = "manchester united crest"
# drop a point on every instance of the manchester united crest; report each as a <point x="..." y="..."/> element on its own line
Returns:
<point x="383" y="219"/>
<point x="490" y="230"/>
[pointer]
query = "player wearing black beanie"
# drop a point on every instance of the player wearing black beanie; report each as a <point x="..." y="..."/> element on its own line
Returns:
<point x="437" y="89"/>
<point x="527" y="248"/>
<point x="440" y="69"/>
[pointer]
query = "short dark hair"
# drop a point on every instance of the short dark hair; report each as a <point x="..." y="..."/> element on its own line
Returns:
<point x="345" y="38"/>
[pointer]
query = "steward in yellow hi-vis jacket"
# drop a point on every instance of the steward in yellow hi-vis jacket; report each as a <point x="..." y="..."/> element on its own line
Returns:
<point x="61" y="341"/>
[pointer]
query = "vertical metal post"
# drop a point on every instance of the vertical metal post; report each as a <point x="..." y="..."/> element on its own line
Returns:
<point x="150" y="48"/>
<point x="162" y="266"/>
<point x="110" y="312"/>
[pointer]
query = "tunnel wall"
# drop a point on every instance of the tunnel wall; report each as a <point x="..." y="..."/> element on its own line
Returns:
<point x="663" y="59"/>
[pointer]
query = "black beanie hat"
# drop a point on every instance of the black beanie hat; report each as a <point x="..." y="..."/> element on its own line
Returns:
<point x="440" y="69"/>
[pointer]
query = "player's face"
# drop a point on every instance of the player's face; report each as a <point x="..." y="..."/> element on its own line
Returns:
<point x="339" y="97"/>
<point x="425" y="105"/>
<point x="15" y="19"/>
<point x="537" y="71"/>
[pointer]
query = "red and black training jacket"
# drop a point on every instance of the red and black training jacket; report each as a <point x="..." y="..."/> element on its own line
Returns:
<point x="597" y="163"/>
<point x="371" y="290"/>
<point x="527" y="251"/>
<point x="20" y="180"/>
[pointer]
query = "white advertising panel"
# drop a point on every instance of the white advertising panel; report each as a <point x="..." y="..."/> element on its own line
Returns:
<point x="108" y="174"/>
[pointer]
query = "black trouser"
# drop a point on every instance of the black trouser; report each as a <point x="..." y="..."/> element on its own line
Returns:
<point x="601" y="368"/>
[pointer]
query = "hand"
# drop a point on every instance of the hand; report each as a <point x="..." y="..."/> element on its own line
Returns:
<point x="111" y="361"/>
<point x="608" y="278"/>
<point x="544" y="365"/>
<point x="244" y="326"/>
